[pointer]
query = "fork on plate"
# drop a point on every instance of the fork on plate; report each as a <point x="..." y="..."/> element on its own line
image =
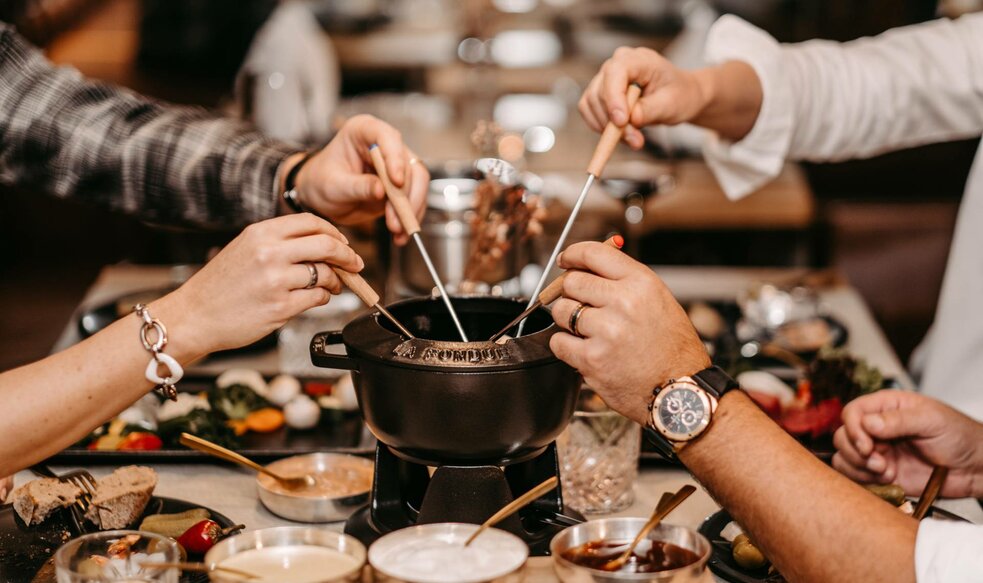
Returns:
<point x="79" y="478"/>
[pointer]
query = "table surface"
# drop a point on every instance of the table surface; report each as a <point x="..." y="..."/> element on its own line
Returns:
<point x="231" y="491"/>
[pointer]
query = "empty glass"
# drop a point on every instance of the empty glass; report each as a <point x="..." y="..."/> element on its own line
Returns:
<point x="117" y="555"/>
<point x="598" y="458"/>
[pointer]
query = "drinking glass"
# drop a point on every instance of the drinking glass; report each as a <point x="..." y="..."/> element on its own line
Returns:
<point x="96" y="558"/>
<point x="598" y="458"/>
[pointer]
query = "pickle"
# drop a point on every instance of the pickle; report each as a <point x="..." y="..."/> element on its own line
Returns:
<point x="892" y="493"/>
<point x="746" y="554"/>
<point x="173" y="525"/>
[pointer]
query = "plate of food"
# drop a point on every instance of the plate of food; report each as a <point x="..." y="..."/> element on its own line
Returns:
<point x="39" y="519"/>
<point x="735" y="558"/>
<point x="264" y="419"/>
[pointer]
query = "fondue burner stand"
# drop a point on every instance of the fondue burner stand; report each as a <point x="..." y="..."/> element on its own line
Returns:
<point x="405" y="494"/>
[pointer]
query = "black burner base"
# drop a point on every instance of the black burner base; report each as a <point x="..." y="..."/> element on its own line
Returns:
<point x="404" y="494"/>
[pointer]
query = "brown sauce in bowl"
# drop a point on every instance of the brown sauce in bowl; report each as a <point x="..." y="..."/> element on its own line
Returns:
<point x="661" y="556"/>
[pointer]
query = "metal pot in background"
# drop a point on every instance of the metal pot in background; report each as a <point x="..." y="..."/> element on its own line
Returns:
<point x="447" y="234"/>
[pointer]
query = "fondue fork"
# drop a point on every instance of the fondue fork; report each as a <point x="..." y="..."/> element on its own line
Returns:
<point x="408" y="219"/>
<point x="663" y="509"/>
<point x="602" y="153"/>
<point x="514" y="506"/>
<point x="364" y="291"/>
<point x="549" y="295"/>
<point x="931" y="491"/>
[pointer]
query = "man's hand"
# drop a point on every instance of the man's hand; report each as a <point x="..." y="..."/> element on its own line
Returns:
<point x="339" y="182"/>
<point x="725" y="99"/>
<point x="898" y="436"/>
<point x="6" y="486"/>
<point x="635" y="335"/>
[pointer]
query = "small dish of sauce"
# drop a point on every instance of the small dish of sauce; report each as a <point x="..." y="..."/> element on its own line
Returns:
<point x="650" y="556"/>
<point x="294" y="564"/>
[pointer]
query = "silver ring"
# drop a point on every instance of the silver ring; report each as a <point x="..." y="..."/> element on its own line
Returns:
<point x="314" y="275"/>
<point x="414" y="161"/>
<point x="575" y="319"/>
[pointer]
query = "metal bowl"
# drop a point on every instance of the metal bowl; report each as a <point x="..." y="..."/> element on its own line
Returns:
<point x="429" y="543"/>
<point x="306" y="507"/>
<point x="289" y="536"/>
<point x="625" y="529"/>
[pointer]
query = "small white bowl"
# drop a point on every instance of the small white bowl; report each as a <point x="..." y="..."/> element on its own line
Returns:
<point x="435" y="553"/>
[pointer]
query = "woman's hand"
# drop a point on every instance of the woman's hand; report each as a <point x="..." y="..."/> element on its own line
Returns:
<point x="339" y="181"/>
<point x="258" y="282"/>
<point x="898" y="436"/>
<point x="635" y="335"/>
<point x="725" y="98"/>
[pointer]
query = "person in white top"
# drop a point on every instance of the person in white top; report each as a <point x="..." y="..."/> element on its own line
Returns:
<point x="825" y="101"/>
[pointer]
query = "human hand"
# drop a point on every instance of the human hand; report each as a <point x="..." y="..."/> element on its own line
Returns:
<point x="898" y="436"/>
<point x="258" y="282"/>
<point x="6" y="486"/>
<point x="339" y="182"/>
<point x="636" y="336"/>
<point x="669" y="95"/>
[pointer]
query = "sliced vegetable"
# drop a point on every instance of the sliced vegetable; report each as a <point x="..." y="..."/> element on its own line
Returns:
<point x="106" y="443"/>
<point x="239" y="426"/>
<point x="265" y="420"/>
<point x="283" y="389"/>
<point x="140" y="441"/>
<point x="208" y="425"/>
<point x="243" y="376"/>
<point x="173" y="525"/>
<point x="236" y="401"/>
<point x="318" y="389"/>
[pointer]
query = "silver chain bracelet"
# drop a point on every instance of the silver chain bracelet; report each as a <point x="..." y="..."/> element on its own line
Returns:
<point x="165" y="386"/>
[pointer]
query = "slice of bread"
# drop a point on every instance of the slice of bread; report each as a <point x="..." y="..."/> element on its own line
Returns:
<point x="121" y="497"/>
<point x="36" y="500"/>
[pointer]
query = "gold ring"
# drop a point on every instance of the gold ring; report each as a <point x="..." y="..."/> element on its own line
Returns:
<point x="575" y="320"/>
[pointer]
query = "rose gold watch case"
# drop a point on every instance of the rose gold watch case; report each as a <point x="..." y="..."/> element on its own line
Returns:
<point x="688" y="384"/>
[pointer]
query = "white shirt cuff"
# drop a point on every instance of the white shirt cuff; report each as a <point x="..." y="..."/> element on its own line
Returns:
<point x="743" y="167"/>
<point x="948" y="552"/>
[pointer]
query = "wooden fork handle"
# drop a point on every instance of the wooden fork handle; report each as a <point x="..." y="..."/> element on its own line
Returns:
<point x="401" y="204"/>
<point x="611" y="136"/>
<point x="357" y="284"/>
<point x="213" y="449"/>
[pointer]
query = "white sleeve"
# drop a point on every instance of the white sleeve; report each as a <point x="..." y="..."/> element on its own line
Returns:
<point x="948" y="552"/>
<point x="827" y="101"/>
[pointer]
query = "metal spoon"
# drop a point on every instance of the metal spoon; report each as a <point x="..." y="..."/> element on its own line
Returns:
<point x="201" y="568"/>
<point x="664" y="508"/>
<point x="205" y="446"/>
<point x="513" y="506"/>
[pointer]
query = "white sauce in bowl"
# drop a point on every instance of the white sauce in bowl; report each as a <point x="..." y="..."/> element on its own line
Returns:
<point x="435" y="553"/>
<point x="293" y="564"/>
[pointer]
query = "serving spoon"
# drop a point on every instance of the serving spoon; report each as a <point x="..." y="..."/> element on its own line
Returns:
<point x="201" y="568"/>
<point x="664" y="508"/>
<point x="513" y="506"/>
<point x="213" y="449"/>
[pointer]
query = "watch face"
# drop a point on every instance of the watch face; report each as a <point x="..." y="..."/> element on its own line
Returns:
<point x="681" y="412"/>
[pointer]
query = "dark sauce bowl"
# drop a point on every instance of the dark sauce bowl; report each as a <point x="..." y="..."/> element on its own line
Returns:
<point x="623" y="530"/>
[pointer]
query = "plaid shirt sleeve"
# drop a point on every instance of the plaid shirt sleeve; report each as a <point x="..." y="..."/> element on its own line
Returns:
<point x="109" y="147"/>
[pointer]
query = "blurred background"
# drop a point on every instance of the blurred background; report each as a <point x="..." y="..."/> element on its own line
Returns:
<point x="471" y="78"/>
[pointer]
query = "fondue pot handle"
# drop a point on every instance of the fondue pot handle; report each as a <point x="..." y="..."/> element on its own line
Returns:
<point x="324" y="359"/>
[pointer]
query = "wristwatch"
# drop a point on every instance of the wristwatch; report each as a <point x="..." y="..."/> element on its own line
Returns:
<point x="682" y="409"/>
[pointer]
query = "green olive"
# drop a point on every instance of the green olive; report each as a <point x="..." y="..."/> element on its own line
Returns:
<point x="891" y="493"/>
<point x="747" y="555"/>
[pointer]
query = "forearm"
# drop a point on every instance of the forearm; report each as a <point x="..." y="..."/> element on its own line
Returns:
<point x="813" y="523"/>
<point x="115" y="149"/>
<point x="51" y="404"/>
<point x="733" y="95"/>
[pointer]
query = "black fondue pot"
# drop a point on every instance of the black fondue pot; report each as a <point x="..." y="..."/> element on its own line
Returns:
<point x="440" y="402"/>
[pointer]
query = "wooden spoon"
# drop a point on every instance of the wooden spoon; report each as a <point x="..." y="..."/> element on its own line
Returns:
<point x="203" y="445"/>
<point x="201" y="568"/>
<point x="663" y="509"/>
<point x="510" y="508"/>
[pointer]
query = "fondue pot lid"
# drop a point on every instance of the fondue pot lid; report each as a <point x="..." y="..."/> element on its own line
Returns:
<point x="371" y="337"/>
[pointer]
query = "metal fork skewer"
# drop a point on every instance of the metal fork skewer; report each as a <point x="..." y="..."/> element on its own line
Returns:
<point x="602" y="153"/>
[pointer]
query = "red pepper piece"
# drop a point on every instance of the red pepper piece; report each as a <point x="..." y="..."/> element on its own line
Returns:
<point x="204" y="535"/>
